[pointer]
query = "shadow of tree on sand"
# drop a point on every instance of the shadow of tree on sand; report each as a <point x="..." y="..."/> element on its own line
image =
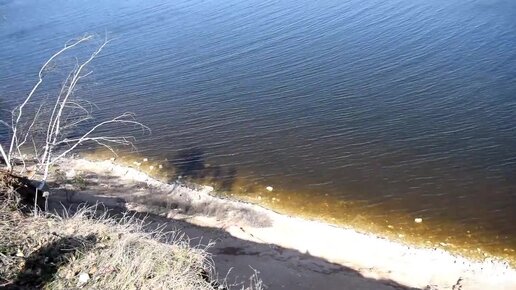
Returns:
<point x="41" y="266"/>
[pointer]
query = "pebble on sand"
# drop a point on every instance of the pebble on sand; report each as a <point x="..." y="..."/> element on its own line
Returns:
<point x="70" y="174"/>
<point x="83" y="279"/>
<point x="418" y="220"/>
<point x="269" y="188"/>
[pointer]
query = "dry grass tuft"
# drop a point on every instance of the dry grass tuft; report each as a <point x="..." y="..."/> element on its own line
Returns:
<point x="84" y="251"/>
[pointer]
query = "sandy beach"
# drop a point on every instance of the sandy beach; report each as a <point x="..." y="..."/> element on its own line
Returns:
<point x="288" y="252"/>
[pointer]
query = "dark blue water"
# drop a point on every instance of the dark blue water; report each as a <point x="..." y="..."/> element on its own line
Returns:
<point x="402" y="108"/>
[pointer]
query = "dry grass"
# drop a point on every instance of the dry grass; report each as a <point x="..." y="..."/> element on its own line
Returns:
<point x="92" y="252"/>
<point x="55" y="252"/>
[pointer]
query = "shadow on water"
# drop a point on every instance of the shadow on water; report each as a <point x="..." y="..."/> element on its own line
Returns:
<point x="41" y="266"/>
<point x="190" y="165"/>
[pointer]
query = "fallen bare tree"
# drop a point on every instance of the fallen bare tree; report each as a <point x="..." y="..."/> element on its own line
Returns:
<point x="49" y="129"/>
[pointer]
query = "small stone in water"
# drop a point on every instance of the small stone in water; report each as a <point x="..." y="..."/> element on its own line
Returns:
<point x="418" y="220"/>
<point x="269" y="188"/>
<point x="145" y="159"/>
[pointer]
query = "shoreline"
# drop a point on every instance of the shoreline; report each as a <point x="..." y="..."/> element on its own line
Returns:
<point x="372" y="256"/>
<point x="455" y="236"/>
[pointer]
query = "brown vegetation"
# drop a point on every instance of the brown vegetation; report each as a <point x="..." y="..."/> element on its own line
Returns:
<point x="89" y="251"/>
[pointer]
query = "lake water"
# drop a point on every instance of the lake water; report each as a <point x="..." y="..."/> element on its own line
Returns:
<point x="362" y="112"/>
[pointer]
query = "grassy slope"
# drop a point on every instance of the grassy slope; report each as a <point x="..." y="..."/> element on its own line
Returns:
<point x="83" y="251"/>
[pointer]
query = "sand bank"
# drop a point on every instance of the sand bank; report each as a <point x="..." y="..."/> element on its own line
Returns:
<point x="289" y="252"/>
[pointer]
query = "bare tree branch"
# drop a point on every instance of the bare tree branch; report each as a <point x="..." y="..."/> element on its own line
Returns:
<point x="5" y="124"/>
<point x="63" y="115"/>
<point x="119" y="140"/>
<point x="19" y="109"/>
<point x="4" y="156"/>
